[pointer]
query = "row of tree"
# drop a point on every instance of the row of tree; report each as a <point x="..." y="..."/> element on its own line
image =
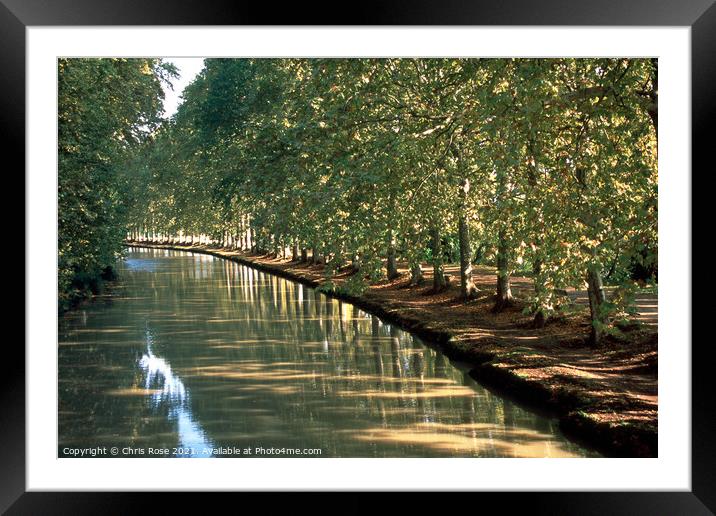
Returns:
<point x="544" y="164"/>
<point x="106" y="109"/>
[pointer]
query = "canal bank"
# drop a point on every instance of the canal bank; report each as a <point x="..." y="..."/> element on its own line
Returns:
<point x="549" y="370"/>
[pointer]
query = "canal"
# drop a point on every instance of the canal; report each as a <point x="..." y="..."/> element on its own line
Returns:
<point x="190" y="355"/>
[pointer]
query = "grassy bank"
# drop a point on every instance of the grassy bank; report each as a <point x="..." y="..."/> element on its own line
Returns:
<point x="605" y="398"/>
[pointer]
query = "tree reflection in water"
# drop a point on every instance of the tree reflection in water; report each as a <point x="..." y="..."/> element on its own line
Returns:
<point x="198" y="352"/>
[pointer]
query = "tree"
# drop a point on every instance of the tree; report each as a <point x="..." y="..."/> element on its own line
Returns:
<point x="106" y="109"/>
<point x="546" y="166"/>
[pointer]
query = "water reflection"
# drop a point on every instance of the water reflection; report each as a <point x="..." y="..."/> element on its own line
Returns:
<point x="168" y="393"/>
<point x="199" y="352"/>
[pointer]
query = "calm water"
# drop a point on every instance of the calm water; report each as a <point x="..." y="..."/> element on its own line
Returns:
<point x="197" y="356"/>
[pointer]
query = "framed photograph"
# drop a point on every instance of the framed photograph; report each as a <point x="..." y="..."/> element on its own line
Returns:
<point x="421" y="253"/>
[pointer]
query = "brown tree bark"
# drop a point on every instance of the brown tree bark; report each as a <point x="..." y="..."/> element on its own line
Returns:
<point x="503" y="298"/>
<point x="595" y="291"/>
<point x="318" y="257"/>
<point x="294" y="251"/>
<point x="391" y="262"/>
<point x="467" y="286"/>
<point x="439" y="282"/>
<point x="540" y="318"/>
<point x="416" y="275"/>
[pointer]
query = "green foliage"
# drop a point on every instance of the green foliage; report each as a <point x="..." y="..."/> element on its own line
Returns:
<point x="106" y="109"/>
<point x="327" y="287"/>
<point x="621" y="302"/>
<point x="354" y="285"/>
<point x="340" y="154"/>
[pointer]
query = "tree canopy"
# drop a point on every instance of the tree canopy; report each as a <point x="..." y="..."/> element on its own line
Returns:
<point x="545" y="165"/>
<point x="106" y="109"/>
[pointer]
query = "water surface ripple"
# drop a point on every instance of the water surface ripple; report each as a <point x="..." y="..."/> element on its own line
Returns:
<point x="197" y="355"/>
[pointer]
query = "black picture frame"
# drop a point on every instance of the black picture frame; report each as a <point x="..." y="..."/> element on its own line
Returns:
<point x="700" y="15"/>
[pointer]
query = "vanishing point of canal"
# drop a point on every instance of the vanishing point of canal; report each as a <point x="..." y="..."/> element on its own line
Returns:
<point x="200" y="356"/>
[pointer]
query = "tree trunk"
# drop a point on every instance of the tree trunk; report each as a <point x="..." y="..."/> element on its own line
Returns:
<point x="540" y="318"/>
<point x="438" y="268"/>
<point x="595" y="291"/>
<point x="468" y="288"/>
<point x="304" y="255"/>
<point x="355" y="263"/>
<point x="294" y="251"/>
<point x="504" y="291"/>
<point x="467" y="285"/>
<point x="416" y="275"/>
<point x="391" y="263"/>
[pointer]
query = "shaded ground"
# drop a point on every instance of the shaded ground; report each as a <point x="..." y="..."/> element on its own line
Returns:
<point x="606" y="397"/>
